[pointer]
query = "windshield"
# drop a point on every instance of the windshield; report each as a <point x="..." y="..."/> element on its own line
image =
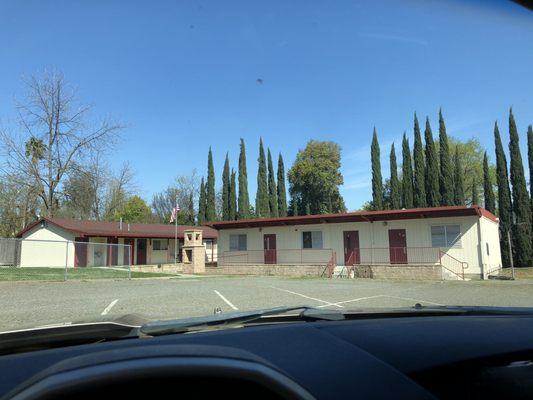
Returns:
<point x="181" y="159"/>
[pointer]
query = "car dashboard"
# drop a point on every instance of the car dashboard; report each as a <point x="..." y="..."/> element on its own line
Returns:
<point x="415" y="357"/>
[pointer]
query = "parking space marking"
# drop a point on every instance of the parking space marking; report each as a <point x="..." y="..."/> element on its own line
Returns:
<point x="326" y="303"/>
<point x="109" y="307"/>
<point x="411" y="299"/>
<point x="352" y="301"/>
<point x="229" y="303"/>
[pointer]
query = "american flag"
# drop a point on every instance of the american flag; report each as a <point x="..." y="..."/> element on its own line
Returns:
<point x="175" y="212"/>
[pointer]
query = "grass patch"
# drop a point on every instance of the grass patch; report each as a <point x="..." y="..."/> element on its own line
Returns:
<point x="58" y="274"/>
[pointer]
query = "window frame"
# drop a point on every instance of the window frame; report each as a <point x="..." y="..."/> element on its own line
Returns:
<point x="459" y="242"/>
<point x="160" y="241"/>
<point x="313" y="247"/>
<point x="239" y="243"/>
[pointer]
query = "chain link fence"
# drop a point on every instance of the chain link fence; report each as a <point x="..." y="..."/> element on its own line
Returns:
<point x="31" y="259"/>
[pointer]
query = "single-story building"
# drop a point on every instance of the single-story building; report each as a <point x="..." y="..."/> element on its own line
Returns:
<point x="459" y="240"/>
<point x="78" y="243"/>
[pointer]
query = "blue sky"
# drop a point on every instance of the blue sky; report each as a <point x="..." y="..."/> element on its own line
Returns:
<point x="182" y="75"/>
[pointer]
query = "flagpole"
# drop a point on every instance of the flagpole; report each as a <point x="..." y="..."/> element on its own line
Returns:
<point x="176" y="237"/>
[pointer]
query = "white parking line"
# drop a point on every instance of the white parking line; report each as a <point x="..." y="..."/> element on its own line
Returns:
<point x="109" y="307"/>
<point x="326" y="303"/>
<point x="229" y="303"/>
<point x="382" y="295"/>
<point x="352" y="301"/>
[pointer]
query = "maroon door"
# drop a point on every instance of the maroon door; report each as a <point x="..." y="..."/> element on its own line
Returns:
<point x="80" y="251"/>
<point x="397" y="246"/>
<point x="128" y="257"/>
<point x="351" y="248"/>
<point x="141" y="251"/>
<point x="269" y="245"/>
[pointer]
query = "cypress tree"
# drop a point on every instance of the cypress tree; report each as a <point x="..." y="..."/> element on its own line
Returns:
<point x="488" y="192"/>
<point x="294" y="207"/>
<point x="407" y="174"/>
<point x="201" y="204"/>
<point x="522" y="240"/>
<point x="282" y="194"/>
<point x="225" y="190"/>
<point x="504" y="196"/>
<point x="475" y="197"/>
<point x="446" y="170"/>
<point x="272" y="188"/>
<point x="432" y="169"/>
<point x="377" y="182"/>
<point x="261" y="198"/>
<point x="530" y="158"/>
<point x="232" y="198"/>
<point x="244" y="200"/>
<point x="419" y="188"/>
<point x="459" y="187"/>
<point x="307" y="209"/>
<point x="394" y="184"/>
<point x="210" y="210"/>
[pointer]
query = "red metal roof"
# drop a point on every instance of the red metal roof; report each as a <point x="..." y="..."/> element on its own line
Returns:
<point x="112" y="229"/>
<point x="359" y="216"/>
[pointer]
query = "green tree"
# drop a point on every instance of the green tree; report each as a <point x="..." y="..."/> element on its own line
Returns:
<point x="394" y="183"/>
<point x="314" y="178"/>
<point x="522" y="240"/>
<point x="201" y="204"/>
<point x="488" y="192"/>
<point x="226" y="190"/>
<point x="504" y="196"/>
<point x="282" y="192"/>
<point x="244" y="200"/>
<point x="471" y="153"/>
<point x="135" y="210"/>
<point x="262" y="208"/>
<point x="407" y="174"/>
<point x="232" y="198"/>
<point x="458" y="187"/>
<point x="419" y="188"/>
<point x="377" y="181"/>
<point x="307" y="209"/>
<point x="210" y="207"/>
<point x="272" y="188"/>
<point x="432" y="169"/>
<point x="446" y="170"/>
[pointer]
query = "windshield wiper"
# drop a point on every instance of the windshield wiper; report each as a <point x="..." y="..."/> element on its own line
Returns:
<point x="237" y="318"/>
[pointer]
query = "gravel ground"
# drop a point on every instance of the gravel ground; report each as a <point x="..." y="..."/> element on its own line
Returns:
<point x="30" y="304"/>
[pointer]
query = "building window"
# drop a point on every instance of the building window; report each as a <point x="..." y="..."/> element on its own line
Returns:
<point x="237" y="242"/>
<point x="160" y="244"/>
<point x="446" y="236"/>
<point x="312" y="240"/>
<point x="488" y="250"/>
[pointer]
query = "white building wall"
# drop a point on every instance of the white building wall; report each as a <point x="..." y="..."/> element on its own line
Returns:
<point x="371" y="235"/>
<point x="47" y="247"/>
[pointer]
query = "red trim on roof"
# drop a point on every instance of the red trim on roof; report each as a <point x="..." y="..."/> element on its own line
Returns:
<point x="359" y="216"/>
<point x="84" y="228"/>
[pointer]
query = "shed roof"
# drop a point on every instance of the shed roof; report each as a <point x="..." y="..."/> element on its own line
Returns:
<point x="359" y="216"/>
<point x="103" y="228"/>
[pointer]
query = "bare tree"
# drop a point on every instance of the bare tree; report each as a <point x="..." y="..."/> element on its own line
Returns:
<point x="184" y="189"/>
<point x="56" y="136"/>
<point x="119" y="188"/>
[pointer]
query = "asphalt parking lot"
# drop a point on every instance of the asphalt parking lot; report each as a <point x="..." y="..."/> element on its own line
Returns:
<point x="30" y="304"/>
